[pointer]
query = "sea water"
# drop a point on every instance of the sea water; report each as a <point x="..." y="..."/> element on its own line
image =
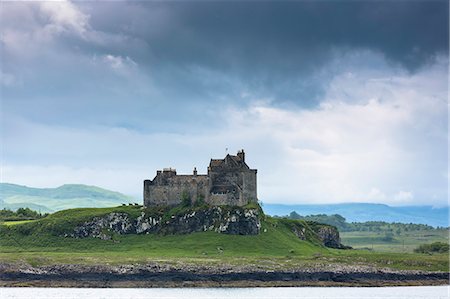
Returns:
<point x="433" y="292"/>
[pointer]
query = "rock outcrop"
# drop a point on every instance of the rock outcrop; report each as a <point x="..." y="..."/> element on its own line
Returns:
<point x="329" y="236"/>
<point x="225" y="220"/>
<point x="234" y="221"/>
<point x="101" y="227"/>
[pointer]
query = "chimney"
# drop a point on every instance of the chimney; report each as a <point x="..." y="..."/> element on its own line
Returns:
<point x="241" y="155"/>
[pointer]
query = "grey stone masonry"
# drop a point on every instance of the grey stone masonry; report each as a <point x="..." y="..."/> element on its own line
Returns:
<point x="229" y="181"/>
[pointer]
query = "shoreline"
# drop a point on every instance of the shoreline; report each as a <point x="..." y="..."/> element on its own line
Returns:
<point x="155" y="276"/>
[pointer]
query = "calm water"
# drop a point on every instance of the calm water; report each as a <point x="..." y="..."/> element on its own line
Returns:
<point x="441" y="292"/>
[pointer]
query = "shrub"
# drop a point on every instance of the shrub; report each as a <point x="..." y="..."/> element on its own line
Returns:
<point x="186" y="199"/>
<point x="200" y="200"/>
<point x="436" y="247"/>
<point x="20" y="214"/>
<point x="388" y="237"/>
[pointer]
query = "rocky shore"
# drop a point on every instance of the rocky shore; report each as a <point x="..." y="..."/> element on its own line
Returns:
<point x="164" y="275"/>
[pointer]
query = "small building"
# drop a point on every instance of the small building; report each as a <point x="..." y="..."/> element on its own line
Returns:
<point x="229" y="181"/>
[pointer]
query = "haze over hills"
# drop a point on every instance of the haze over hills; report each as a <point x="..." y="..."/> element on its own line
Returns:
<point x="77" y="196"/>
<point x="361" y="212"/>
<point x="64" y="197"/>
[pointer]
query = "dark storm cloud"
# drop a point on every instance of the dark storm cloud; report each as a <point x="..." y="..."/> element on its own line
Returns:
<point x="270" y="45"/>
<point x="249" y="33"/>
<point x="280" y="34"/>
<point x="191" y="56"/>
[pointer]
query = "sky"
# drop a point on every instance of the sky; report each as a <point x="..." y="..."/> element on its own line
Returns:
<point x="333" y="101"/>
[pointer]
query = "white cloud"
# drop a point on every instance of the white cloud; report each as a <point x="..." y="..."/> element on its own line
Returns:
<point x="375" y="195"/>
<point x="121" y="65"/>
<point x="389" y="131"/>
<point x="403" y="196"/>
<point x="30" y="29"/>
<point x="64" y="16"/>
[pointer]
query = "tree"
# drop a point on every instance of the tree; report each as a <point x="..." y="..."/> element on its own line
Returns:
<point x="294" y="215"/>
<point x="388" y="237"/>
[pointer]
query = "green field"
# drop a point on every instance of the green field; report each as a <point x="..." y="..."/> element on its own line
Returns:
<point x="9" y="223"/>
<point x="403" y="242"/>
<point x="276" y="247"/>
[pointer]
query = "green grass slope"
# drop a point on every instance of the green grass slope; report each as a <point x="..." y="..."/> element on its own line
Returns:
<point x="55" y="199"/>
<point x="276" y="238"/>
<point x="276" y="247"/>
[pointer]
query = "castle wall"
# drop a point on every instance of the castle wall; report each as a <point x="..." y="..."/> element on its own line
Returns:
<point x="172" y="191"/>
<point x="249" y="193"/>
<point x="218" y="199"/>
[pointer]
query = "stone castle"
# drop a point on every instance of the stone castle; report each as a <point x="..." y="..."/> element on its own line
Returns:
<point x="229" y="181"/>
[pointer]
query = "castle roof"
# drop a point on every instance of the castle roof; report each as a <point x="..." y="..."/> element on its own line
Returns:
<point x="229" y="160"/>
<point x="216" y="162"/>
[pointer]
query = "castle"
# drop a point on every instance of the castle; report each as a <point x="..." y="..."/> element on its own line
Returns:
<point x="229" y="181"/>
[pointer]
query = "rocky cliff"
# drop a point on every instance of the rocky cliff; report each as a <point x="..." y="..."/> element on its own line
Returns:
<point x="329" y="236"/>
<point x="325" y="234"/>
<point x="224" y="220"/>
<point x="234" y="221"/>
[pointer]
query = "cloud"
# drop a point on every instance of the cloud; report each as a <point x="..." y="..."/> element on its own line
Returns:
<point x="389" y="132"/>
<point x="119" y="64"/>
<point x="38" y="24"/>
<point x="273" y="49"/>
<point x="64" y="16"/>
<point x="377" y="139"/>
<point x="375" y="195"/>
<point x="403" y="196"/>
<point x="330" y="105"/>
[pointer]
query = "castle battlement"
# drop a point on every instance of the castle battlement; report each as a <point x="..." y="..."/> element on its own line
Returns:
<point x="229" y="181"/>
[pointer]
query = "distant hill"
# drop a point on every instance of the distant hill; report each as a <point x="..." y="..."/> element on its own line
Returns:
<point x="54" y="199"/>
<point x="362" y="212"/>
<point x="82" y="196"/>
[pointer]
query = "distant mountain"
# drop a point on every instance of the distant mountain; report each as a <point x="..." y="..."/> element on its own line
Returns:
<point x="64" y="197"/>
<point x="361" y="212"/>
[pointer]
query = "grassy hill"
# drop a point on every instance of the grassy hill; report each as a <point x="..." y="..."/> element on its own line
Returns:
<point x="44" y="237"/>
<point x="55" y="199"/>
<point x="40" y="242"/>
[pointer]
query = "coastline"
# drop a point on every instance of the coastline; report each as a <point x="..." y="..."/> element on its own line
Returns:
<point x="168" y="276"/>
